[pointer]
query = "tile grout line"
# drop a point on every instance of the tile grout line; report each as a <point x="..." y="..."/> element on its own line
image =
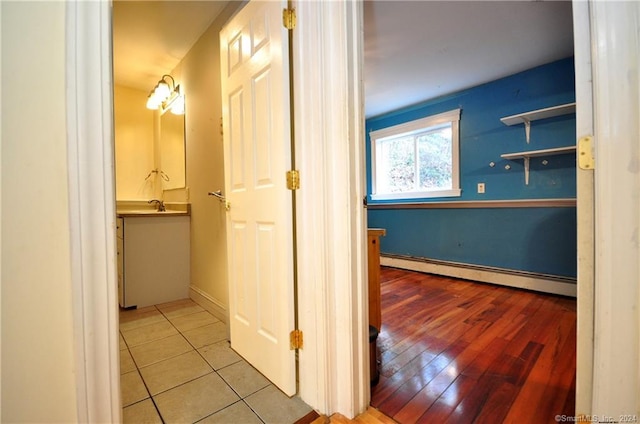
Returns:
<point x="153" y="401"/>
<point x="213" y="370"/>
<point x="240" y="397"/>
<point x="254" y="411"/>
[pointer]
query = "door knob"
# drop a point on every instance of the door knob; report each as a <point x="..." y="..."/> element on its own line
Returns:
<point x="218" y="194"/>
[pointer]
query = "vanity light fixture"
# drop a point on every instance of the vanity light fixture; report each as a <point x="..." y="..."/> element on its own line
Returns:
<point x="166" y="94"/>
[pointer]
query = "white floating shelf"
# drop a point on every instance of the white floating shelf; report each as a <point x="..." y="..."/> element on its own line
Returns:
<point x="536" y="153"/>
<point x="543" y="152"/>
<point x="527" y="117"/>
<point x="535" y="115"/>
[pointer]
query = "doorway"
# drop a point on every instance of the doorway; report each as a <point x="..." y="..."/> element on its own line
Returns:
<point x="584" y="228"/>
<point x="342" y="238"/>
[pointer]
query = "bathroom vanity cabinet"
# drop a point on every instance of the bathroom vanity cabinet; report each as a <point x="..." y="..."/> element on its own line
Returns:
<point x="153" y="259"/>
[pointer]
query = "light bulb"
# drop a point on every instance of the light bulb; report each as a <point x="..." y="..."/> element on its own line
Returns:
<point x="162" y="90"/>
<point x="152" y="102"/>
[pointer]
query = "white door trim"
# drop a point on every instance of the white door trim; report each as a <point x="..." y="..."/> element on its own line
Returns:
<point x="91" y="209"/>
<point x="585" y="211"/>
<point x="334" y="373"/>
<point x="616" y="96"/>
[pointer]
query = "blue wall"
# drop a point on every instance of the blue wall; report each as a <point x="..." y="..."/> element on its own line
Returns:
<point x="530" y="239"/>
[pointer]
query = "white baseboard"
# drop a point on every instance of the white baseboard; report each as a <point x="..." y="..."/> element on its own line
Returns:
<point x="529" y="281"/>
<point x="209" y="303"/>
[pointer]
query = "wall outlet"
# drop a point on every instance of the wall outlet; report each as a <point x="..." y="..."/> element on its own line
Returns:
<point x="481" y="188"/>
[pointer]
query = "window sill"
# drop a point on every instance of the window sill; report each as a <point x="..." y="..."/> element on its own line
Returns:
<point x="417" y="195"/>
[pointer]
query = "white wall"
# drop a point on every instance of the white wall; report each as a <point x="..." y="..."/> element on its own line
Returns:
<point x="199" y="75"/>
<point x="38" y="381"/>
<point x="134" y="145"/>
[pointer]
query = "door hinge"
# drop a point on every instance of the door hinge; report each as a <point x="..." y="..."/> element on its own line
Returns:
<point x="293" y="179"/>
<point x="289" y="18"/>
<point x="295" y="340"/>
<point x="586" y="160"/>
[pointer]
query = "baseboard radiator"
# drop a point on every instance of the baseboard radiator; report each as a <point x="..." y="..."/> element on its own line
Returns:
<point x="565" y="286"/>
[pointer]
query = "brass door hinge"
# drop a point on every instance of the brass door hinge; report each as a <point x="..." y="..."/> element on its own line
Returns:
<point x="586" y="160"/>
<point x="293" y="179"/>
<point x="289" y="18"/>
<point x="295" y="339"/>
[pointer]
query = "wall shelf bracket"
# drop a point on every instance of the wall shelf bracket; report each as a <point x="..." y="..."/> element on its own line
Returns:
<point x="526" y="156"/>
<point x="527" y="159"/>
<point x="527" y="129"/>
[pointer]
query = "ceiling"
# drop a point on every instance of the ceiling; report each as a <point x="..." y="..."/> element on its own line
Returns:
<point x="413" y="50"/>
<point x="150" y="38"/>
<point x="418" y="50"/>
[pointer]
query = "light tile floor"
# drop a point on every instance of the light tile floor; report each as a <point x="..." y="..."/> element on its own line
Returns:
<point x="177" y="366"/>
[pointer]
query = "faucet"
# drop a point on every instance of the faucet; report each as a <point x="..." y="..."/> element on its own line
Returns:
<point x="160" y="204"/>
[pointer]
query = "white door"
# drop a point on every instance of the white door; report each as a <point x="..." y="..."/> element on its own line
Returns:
<point x="257" y="154"/>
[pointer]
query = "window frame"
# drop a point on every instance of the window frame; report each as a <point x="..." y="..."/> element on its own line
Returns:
<point x="414" y="127"/>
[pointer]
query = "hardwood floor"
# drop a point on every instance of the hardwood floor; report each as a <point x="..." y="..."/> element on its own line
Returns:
<point x="370" y="416"/>
<point x="454" y="351"/>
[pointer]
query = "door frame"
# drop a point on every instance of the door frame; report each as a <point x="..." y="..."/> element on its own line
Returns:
<point x="334" y="300"/>
<point x="616" y="107"/>
<point x="331" y="219"/>
<point x="90" y="165"/>
<point x="330" y="380"/>
<point x="584" y="211"/>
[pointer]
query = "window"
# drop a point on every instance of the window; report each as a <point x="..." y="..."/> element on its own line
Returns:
<point x="417" y="159"/>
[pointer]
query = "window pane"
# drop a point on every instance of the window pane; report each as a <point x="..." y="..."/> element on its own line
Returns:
<point x="396" y="165"/>
<point x="435" y="159"/>
<point x="415" y="159"/>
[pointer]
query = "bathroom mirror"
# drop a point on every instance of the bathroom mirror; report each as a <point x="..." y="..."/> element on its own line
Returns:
<point x="172" y="150"/>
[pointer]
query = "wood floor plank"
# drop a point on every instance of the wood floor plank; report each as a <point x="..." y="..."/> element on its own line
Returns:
<point x="413" y="385"/>
<point x="469" y="407"/>
<point x="495" y="408"/>
<point x="482" y="362"/>
<point x="458" y="351"/>
<point x="373" y="416"/>
<point x="448" y="401"/>
<point x="561" y="387"/>
<point x="431" y="392"/>
<point x="388" y="386"/>
<point x="534" y="400"/>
